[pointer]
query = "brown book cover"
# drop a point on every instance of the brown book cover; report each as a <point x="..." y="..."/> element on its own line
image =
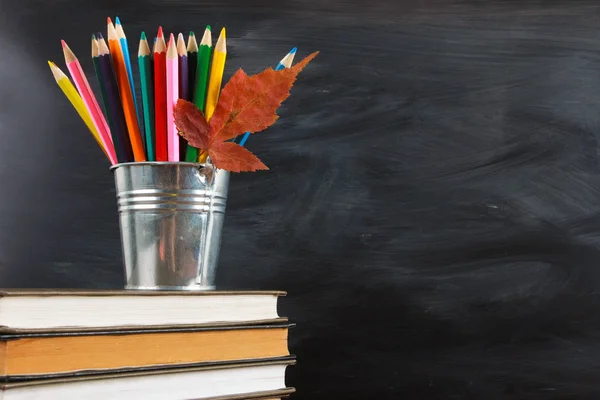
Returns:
<point x="270" y="395"/>
<point x="141" y="372"/>
<point x="28" y="355"/>
<point x="4" y="330"/>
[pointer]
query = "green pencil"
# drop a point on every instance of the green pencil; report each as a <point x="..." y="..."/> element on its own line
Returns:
<point x="146" y="80"/>
<point x="96" y="62"/>
<point x="191" y="155"/>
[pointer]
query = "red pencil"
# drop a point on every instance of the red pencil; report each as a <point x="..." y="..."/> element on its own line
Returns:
<point x="160" y="96"/>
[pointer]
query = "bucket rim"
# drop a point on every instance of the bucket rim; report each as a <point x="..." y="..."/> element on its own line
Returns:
<point x="158" y="163"/>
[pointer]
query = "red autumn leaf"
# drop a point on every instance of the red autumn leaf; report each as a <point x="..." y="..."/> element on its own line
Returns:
<point x="191" y="124"/>
<point x="246" y="104"/>
<point x="249" y="103"/>
<point x="234" y="158"/>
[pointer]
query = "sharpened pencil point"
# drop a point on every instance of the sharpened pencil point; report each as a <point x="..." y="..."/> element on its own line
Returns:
<point x="192" y="33"/>
<point x="112" y="33"/>
<point x="143" y="36"/>
<point x="108" y="20"/>
<point x="99" y="36"/>
<point x="208" y="27"/>
<point x="56" y="72"/>
<point x="117" y="21"/>
<point x="160" y="32"/>
<point x="293" y="51"/>
<point x="64" y="44"/>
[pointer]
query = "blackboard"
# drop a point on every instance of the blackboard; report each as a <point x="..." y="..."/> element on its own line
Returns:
<point x="432" y="206"/>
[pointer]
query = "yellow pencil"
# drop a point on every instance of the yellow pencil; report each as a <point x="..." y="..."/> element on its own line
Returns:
<point x="76" y="101"/>
<point x="216" y="77"/>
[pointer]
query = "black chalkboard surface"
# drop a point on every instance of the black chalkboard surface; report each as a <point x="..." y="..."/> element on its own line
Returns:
<point x="432" y="207"/>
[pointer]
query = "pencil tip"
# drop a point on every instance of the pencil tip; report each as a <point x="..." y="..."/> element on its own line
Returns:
<point x="223" y="32"/>
<point x="171" y="38"/>
<point x="293" y="51"/>
<point x="117" y="21"/>
<point x="99" y="36"/>
<point x="192" y="33"/>
<point x="160" y="32"/>
<point x="51" y="64"/>
<point x="64" y="44"/>
<point x="208" y="27"/>
<point x="93" y="37"/>
<point x="108" y="20"/>
<point x="143" y="36"/>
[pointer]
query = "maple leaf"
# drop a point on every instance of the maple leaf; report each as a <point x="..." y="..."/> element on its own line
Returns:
<point x="229" y="156"/>
<point x="234" y="158"/>
<point x="249" y="103"/>
<point x="191" y="124"/>
<point x="246" y="104"/>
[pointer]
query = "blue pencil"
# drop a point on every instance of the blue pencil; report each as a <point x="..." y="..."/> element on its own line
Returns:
<point x="285" y="62"/>
<point x="125" y="50"/>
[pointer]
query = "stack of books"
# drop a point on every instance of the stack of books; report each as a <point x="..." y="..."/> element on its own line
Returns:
<point x="143" y="345"/>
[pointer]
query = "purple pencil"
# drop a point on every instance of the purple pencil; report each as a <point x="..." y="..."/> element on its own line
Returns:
<point x="119" y="132"/>
<point x="184" y="89"/>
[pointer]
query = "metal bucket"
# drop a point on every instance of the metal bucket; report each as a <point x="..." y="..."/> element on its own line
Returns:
<point x="171" y="217"/>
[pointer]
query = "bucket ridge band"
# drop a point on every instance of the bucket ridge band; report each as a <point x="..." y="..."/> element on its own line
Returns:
<point x="190" y="200"/>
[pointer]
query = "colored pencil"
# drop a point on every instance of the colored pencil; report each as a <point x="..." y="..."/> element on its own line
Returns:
<point x="76" y="101"/>
<point x="217" y="68"/>
<point x="114" y="107"/>
<point x="202" y="68"/>
<point x="285" y="62"/>
<point x="145" y="67"/>
<point x="172" y="96"/>
<point x="127" y="59"/>
<point x="99" y="77"/>
<point x="89" y="100"/>
<point x="192" y="54"/>
<point x="160" y="97"/>
<point x="133" y="128"/>
<point x="182" y="57"/>
<point x="184" y="89"/>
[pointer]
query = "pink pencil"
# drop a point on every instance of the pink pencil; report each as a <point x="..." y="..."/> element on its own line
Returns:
<point x="83" y="87"/>
<point x="172" y="96"/>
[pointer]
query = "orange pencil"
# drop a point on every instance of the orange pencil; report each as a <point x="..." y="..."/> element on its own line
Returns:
<point x="126" y="96"/>
<point x="160" y="96"/>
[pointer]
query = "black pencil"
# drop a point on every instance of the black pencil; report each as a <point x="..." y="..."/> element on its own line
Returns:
<point x="119" y="132"/>
<point x="192" y="53"/>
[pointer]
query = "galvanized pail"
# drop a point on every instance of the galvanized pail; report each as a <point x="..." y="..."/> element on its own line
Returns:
<point x="171" y="217"/>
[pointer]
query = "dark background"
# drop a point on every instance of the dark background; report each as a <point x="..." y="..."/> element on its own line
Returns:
<point x="432" y="207"/>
